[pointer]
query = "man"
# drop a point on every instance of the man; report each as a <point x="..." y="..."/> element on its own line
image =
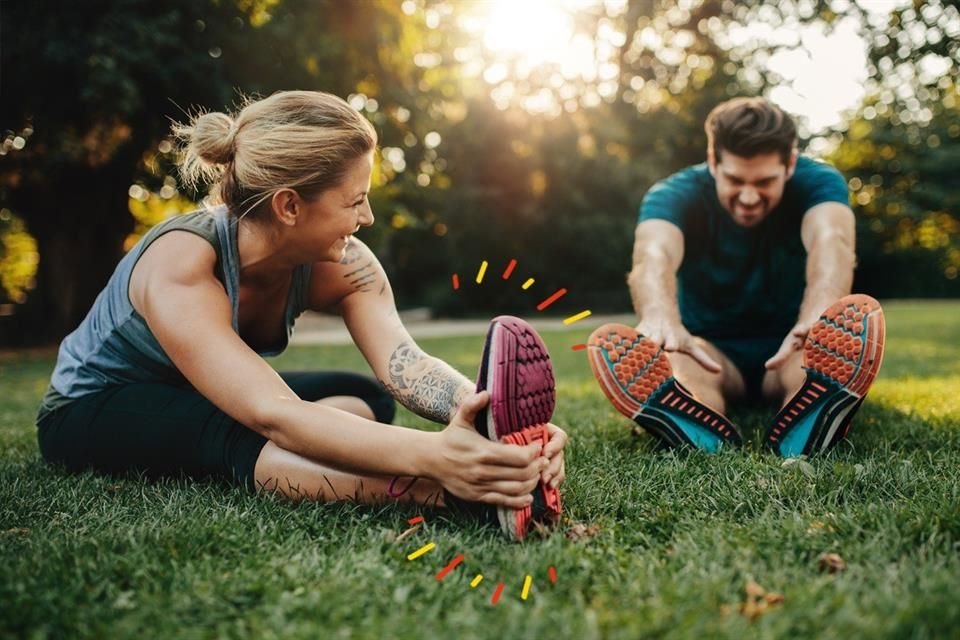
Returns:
<point x="734" y="263"/>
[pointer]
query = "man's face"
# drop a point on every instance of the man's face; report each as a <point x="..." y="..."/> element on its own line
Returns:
<point x="750" y="188"/>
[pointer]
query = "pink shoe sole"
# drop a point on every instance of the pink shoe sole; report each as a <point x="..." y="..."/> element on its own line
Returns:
<point x="516" y="370"/>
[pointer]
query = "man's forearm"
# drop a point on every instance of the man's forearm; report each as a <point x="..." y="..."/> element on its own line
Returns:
<point x="426" y="385"/>
<point x="830" y="265"/>
<point x="653" y="287"/>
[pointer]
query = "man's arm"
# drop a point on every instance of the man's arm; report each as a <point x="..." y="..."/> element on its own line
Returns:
<point x="828" y="235"/>
<point x="657" y="255"/>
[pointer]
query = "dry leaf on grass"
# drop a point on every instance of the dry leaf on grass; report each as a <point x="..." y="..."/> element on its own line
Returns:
<point x="757" y="602"/>
<point x="406" y="534"/>
<point x="581" y="531"/>
<point x="831" y="562"/>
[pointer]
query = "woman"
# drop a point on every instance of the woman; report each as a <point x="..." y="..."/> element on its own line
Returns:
<point x="165" y="374"/>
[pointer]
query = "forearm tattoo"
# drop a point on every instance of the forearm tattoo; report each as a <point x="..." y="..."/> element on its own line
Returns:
<point x="428" y="387"/>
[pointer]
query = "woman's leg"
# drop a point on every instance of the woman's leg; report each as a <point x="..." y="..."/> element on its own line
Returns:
<point x="163" y="430"/>
<point x="358" y="394"/>
<point x="300" y="478"/>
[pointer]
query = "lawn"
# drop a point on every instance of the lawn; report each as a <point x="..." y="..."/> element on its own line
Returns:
<point x="653" y="544"/>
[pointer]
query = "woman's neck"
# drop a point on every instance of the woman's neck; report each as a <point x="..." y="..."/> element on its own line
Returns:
<point x="261" y="258"/>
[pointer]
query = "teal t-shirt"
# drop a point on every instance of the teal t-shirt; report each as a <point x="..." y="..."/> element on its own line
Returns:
<point x="738" y="282"/>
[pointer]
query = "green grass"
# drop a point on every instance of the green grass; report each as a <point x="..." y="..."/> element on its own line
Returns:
<point x="677" y="538"/>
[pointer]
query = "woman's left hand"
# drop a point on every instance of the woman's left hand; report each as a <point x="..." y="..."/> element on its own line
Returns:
<point x="555" y="472"/>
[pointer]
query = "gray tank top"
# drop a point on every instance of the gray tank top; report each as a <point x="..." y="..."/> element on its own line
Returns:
<point x="114" y="346"/>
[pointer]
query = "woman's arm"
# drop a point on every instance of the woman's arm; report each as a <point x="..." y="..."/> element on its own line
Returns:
<point x="174" y="289"/>
<point x="429" y="387"/>
<point x="359" y="289"/>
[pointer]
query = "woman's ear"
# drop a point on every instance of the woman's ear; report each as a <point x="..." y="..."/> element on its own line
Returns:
<point x="285" y="206"/>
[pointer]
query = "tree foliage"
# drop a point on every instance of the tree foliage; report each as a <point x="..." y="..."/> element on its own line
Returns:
<point x="533" y="163"/>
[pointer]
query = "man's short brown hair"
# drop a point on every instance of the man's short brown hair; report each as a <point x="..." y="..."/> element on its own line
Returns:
<point x="747" y="127"/>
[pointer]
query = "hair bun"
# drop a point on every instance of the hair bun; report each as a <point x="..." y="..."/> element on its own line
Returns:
<point x="213" y="137"/>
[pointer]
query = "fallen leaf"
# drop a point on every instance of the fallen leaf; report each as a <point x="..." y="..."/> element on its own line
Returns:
<point x="758" y="601"/>
<point x="581" y="531"/>
<point x="831" y="562"/>
<point x="754" y="590"/>
<point x="406" y="534"/>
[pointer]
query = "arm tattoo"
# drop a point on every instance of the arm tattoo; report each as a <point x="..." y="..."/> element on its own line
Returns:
<point x="351" y="255"/>
<point x="361" y="278"/>
<point x="427" y="386"/>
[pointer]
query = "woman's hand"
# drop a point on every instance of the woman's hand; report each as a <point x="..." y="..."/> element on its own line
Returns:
<point x="473" y="468"/>
<point x="555" y="473"/>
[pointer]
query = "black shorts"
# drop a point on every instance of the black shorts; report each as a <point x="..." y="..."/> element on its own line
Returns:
<point x="748" y="356"/>
<point x="164" y="430"/>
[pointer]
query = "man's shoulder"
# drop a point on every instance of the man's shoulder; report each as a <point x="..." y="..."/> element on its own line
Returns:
<point x="809" y="167"/>
<point x="672" y="197"/>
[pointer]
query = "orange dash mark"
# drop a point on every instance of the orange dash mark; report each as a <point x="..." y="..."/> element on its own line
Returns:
<point x="559" y="293"/>
<point x="415" y="520"/>
<point x="450" y="567"/>
<point x="497" y="593"/>
<point x="509" y="270"/>
<point x="578" y="347"/>
<point x="553" y="575"/>
<point x="456" y="282"/>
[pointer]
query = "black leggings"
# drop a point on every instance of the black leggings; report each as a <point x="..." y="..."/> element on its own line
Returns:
<point x="164" y="430"/>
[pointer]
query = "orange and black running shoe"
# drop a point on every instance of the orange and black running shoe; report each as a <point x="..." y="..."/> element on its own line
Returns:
<point x="636" y="376"/>
<point x="841" y="358"/>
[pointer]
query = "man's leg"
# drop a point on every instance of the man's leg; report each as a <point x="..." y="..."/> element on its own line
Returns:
<point x="713" y="389"/>
<point x="780" y="384"/>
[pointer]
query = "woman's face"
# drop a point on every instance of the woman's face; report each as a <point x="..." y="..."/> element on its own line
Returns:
<point x="337" y="213"/>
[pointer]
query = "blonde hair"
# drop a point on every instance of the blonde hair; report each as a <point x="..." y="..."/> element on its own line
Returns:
<point x="300" y="140"/>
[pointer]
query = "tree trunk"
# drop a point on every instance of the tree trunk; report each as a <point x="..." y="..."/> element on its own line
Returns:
<point x="79" y="219"/>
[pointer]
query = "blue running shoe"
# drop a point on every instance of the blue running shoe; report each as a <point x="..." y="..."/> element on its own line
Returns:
<point x="841" y="358"/>
<point x="636" y="376"/>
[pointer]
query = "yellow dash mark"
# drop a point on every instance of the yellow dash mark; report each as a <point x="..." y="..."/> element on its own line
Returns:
<point x="579" y="316"/>
<point x="476" y="581"/>
<point x="528" y="283"/>
<point x="422" y="550"/>
<point x="483" y="270"/>
<point x="526" y="588"/>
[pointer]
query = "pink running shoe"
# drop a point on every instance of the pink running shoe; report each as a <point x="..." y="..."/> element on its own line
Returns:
<point x="516" y="370"/>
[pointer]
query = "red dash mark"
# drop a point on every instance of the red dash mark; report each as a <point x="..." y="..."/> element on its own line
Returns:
<point x="509" y="270"/>
<point x="579" y="347"/>
<point x="415" y="520"/>
<point x="549" y="301"/>
<point x="450" y="567"/>
<point x="553" y="575"/>
<point x="496" y="594"/>
<point x="456" y="281"/>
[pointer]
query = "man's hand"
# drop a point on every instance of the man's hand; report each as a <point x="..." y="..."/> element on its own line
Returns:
<point x="674" y="337"/>
<point x="790" y="345"/>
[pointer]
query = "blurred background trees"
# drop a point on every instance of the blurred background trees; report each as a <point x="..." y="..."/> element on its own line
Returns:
<point x="508" y="130"/>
